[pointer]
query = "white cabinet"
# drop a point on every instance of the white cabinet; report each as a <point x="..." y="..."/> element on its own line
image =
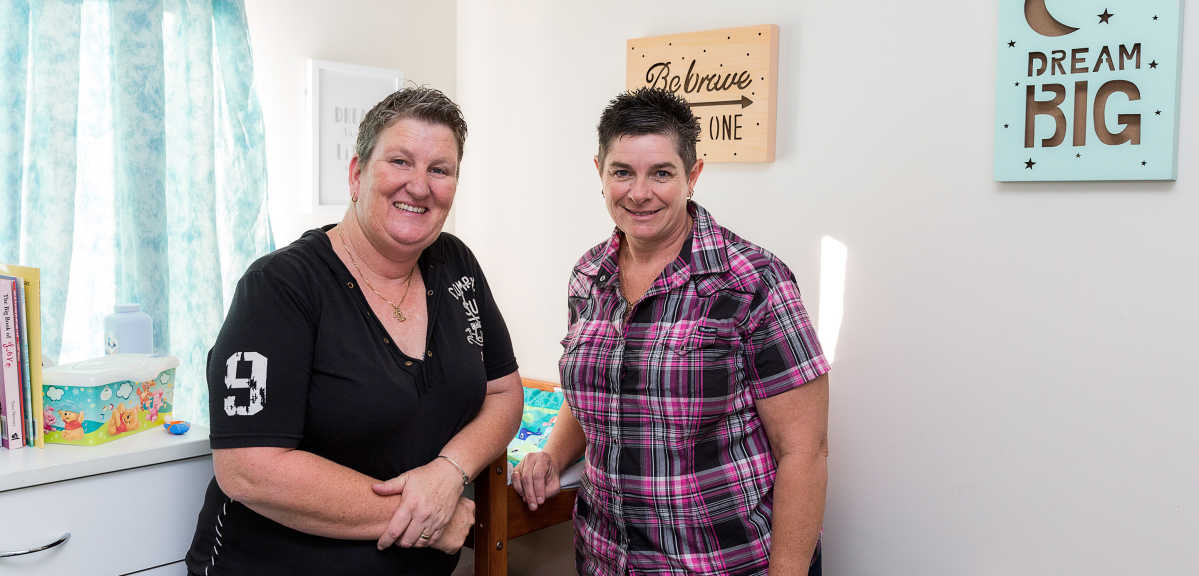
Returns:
<point x="132" y="520"/>
<point x="172" y="569"/>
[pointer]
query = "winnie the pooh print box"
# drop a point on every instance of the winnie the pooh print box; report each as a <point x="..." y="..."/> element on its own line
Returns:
<point x="102" y="399"/>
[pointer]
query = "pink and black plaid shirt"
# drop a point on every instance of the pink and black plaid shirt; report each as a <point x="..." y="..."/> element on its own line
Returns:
<point x="679" y="472"/>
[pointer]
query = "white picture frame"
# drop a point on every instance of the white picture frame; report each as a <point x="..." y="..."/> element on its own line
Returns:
<point x="339" y="95"/>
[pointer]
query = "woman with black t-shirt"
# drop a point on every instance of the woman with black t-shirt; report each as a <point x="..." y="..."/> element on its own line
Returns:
<point x="362" y="376"/>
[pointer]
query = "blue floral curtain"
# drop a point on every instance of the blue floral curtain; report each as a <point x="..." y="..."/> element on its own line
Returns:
<point x="132" y="168"/>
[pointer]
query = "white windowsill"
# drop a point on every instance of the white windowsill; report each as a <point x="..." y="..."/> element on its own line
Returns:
<point x="56" y="462"/>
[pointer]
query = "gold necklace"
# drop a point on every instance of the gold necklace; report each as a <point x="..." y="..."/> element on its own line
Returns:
<point x="396" y="312"/>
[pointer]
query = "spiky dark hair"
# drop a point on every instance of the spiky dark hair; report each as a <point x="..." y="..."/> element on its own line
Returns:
<point x="650" y="111"/>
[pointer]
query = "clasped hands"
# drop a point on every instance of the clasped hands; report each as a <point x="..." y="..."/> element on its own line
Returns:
<point x="432" y="512"/>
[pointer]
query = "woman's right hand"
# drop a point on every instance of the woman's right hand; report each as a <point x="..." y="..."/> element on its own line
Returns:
<point x="454" y="534"/>
<point x="536" y="479"/>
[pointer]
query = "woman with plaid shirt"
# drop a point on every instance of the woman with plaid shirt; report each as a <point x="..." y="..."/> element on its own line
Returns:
<point x="693" y="377"/>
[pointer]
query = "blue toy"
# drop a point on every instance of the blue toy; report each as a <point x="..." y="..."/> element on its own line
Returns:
<point x="176" y="427"/>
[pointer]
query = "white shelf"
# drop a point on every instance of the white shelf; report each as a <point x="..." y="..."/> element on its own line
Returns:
<point x="56" y="462"/>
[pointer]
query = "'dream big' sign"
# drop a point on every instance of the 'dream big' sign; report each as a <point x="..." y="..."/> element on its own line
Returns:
<point x="1087" y="90"/>
<point x="729" y="78"/>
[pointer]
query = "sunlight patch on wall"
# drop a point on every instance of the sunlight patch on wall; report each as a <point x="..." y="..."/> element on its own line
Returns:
<point x="833" y="257"/>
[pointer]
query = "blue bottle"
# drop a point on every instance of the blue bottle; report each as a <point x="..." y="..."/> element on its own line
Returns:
<point x="128" y="330"/>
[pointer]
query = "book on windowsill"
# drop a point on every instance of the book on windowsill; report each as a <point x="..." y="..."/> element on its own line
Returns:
<point x="11" y="398"/>
<point x="30" y="330"/>
<point x="26" y="390"/>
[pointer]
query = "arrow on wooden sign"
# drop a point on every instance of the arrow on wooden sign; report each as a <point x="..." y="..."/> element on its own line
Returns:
<point x="744" y="102"/>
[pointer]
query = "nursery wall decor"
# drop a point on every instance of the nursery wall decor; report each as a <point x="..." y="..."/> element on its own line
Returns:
<point x="728" y="76"/>
<point x="1087" y="90"/>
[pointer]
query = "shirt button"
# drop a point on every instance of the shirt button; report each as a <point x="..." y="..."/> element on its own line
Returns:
<point x="429" y="353"/>
<point x="603" y="277"/>
<point x="349" y="284"/>
<point x="430" y="292"/>
<point x="387" y="340"/>
<point x="407" y="362"/>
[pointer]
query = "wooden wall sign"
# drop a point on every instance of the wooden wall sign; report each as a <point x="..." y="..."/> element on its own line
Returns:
<point x="1087" y="90"/>
<point x="728" y="76"/>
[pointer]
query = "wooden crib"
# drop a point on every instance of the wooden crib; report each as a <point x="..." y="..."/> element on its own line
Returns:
<point x="500" y="514"/>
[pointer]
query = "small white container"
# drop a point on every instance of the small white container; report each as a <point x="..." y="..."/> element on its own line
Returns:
<point x="128" y="330"/>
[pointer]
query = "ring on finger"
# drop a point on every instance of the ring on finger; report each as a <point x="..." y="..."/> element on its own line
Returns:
<point x="424" y="536"/>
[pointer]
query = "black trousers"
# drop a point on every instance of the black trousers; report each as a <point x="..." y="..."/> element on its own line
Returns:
<point x="814" y="569"/>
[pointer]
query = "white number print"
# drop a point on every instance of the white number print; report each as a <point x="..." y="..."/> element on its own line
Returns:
<point x="256" y="383"/>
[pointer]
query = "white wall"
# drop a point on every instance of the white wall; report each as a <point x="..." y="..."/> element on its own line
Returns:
<point x="415" y="37"/>
<point x="1011" y="394"/>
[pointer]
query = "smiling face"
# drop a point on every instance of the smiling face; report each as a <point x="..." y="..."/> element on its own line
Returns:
<point x="406" y="188"/>
<point x="646" y="187"/>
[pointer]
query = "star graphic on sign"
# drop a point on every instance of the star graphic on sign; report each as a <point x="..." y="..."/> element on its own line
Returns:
<point x="1155" y="17"/>
<point x="1005" y="125"/>
<point x="1011" y="44"/>
<point x="1144" y="163"/>
<point x="1017" y="83"/>
<point x="1078" y="155"/>
<point x="1103" y="18"/>
<point x="1028" y="165"/>
<point x="1157" y="112"/>
<point x="1153" y="64"/>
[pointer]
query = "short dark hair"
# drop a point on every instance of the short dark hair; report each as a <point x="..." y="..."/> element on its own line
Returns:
<point x="419" y="102"/>
<point x="650" y="111"/>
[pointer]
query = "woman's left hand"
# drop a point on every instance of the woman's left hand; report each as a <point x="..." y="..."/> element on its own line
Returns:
<point x="429" y="496"/>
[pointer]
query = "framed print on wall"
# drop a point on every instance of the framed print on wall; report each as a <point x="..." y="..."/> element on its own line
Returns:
<point x="729" y="77"/>
<point x="339" y="95"/>
<point x="1088" y="90"/>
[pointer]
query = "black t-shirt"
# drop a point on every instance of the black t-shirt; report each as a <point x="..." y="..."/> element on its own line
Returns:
<point x="303" y="362"/>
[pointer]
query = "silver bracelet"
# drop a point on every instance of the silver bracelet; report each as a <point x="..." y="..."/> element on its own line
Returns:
<point x="465" y="476"/>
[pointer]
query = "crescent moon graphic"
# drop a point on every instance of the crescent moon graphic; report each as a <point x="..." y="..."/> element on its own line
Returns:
<point x="1041" y="21"/>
